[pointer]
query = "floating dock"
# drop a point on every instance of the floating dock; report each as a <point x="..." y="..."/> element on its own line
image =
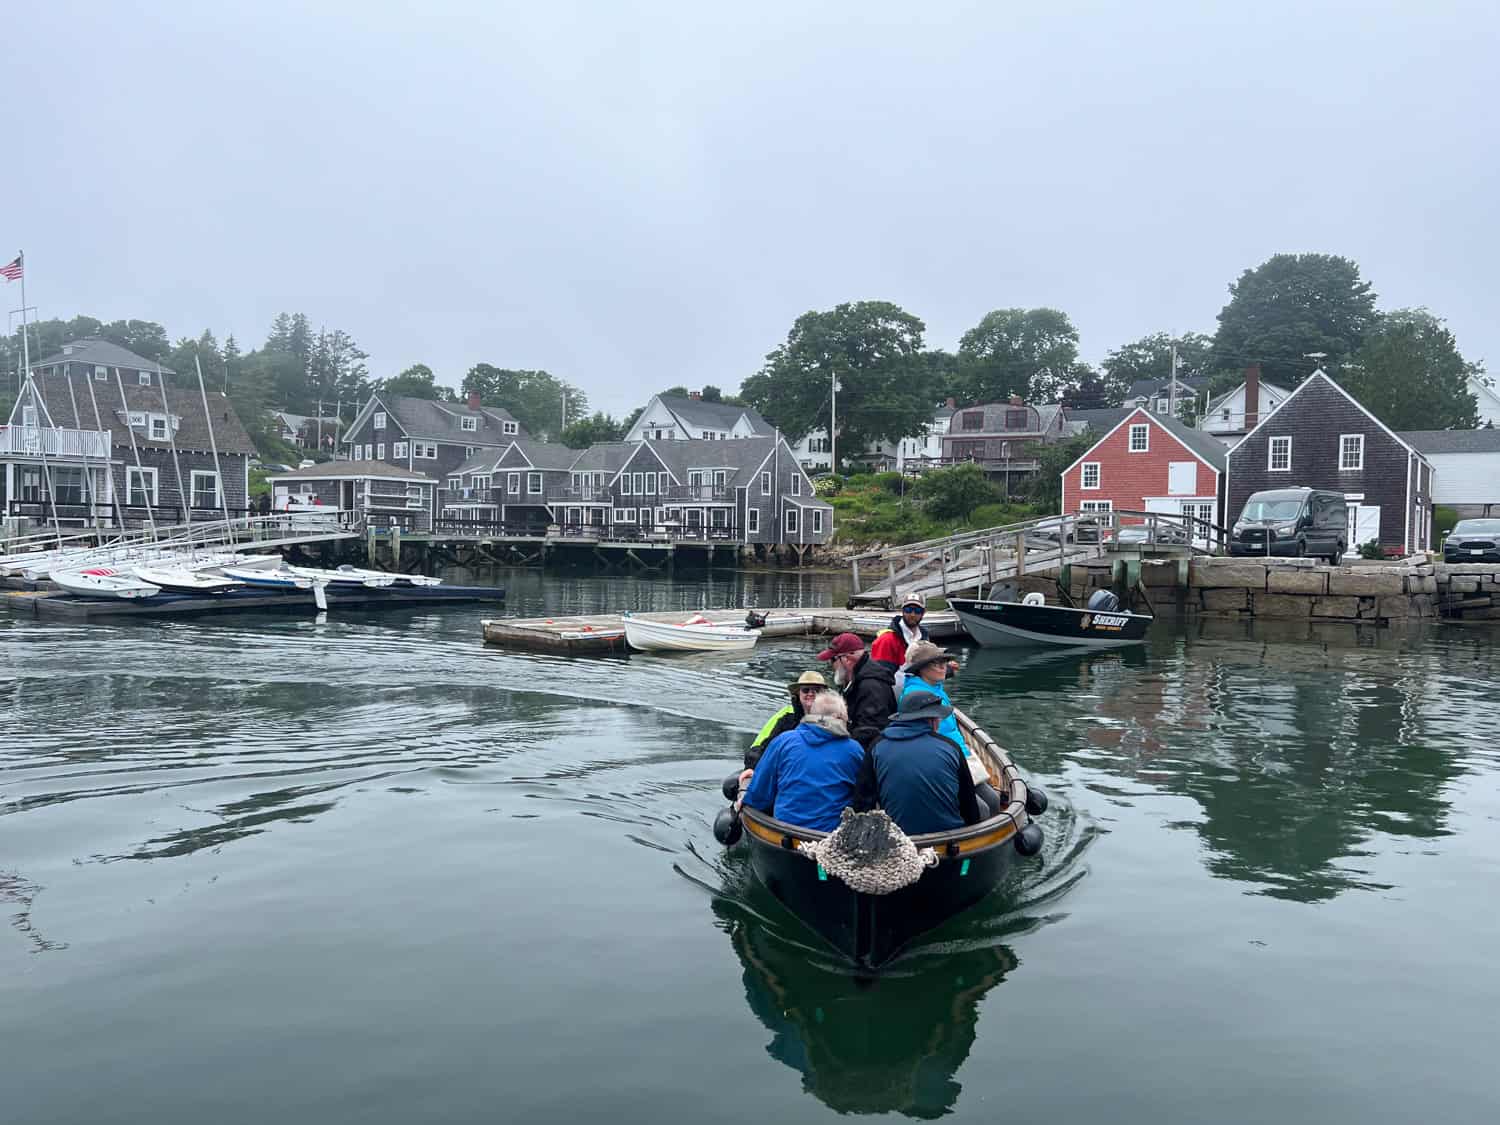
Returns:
<point x="603" y="633"/>
<point x="43" y="603"/>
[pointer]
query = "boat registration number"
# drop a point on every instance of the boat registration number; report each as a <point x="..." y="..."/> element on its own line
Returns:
<point x="1108" y="621"/>
<point x="1476" y="550"/>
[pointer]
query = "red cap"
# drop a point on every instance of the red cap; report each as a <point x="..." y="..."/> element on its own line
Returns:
<point x="843" y="645"/>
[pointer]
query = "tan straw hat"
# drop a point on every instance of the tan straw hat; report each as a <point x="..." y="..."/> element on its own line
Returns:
<point x="808" y="679"/>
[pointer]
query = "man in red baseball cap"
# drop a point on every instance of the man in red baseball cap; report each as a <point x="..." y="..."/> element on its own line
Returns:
<point x="869" y="687"/>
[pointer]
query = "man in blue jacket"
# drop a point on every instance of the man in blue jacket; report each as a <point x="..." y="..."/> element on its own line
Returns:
<point x="924" y="781"/>
<point x="808" y="775"/>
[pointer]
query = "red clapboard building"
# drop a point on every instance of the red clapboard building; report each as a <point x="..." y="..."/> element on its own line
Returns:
<point x="1149" y="463"/>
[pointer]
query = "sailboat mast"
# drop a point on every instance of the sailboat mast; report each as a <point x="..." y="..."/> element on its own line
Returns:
<point x="214" y="446"/>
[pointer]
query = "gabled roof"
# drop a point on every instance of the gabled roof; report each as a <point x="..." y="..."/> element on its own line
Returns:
<point x="713" y="415"/>
<point x="1148" y="388"/>
<point x="102" y="352"/>
<point x="546" y="454"/>
<point x="1205" y="447"/>
<point x="440" y="421"/>
<point x="740" y="457"/>
<point x="193" y="426"/>
<point x="1302" y="386"/>
<point x="1100" y="421"/>
<point x="1227" y="395"/>
<point x="354" y="470"/>
<point x="1453" y="441"/>
<point x="297" y="421"/>
<point x="605" y="457"/>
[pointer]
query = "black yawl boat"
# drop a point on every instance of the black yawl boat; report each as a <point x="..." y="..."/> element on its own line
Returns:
<point x="870" y="929"/>
<point x="1103" y="624"/>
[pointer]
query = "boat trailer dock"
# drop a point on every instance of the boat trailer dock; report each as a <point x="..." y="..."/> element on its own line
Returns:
<point x="603" y="633"/>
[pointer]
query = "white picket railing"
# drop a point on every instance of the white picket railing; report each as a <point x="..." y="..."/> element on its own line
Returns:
<point x="51" y="441"/>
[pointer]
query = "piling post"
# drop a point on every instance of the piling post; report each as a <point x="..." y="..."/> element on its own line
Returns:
<point x="1020" y="555"/>
<point x="396" y="547"/>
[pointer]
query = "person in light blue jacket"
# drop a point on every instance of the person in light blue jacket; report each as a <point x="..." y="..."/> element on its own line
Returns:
<point x="926" y="668"/>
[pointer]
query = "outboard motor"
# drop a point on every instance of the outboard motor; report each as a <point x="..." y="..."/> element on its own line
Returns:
<point x="1104" y="601"/>
<point x="755" y="620"/>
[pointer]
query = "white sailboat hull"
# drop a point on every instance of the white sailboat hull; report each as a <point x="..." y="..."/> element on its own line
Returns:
<point x="103" y="582"/>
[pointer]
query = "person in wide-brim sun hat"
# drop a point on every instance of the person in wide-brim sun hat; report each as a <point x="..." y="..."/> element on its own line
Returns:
<point x="804" y="689"/>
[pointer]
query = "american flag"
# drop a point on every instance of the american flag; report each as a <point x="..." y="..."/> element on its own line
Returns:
<point x="12" y="272"/>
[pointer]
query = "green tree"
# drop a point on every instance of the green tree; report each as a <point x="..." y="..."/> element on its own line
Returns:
<point x="1410" y="375"/>
<point x="592" y="430"/>
<point x="1150" y="357"/>
<point x="534" y="398"/>
<point x="1045" y="488"/>
<point x="336" y="369"/>
<point x="873" y="349"/>
<point x="417" y="381"/>
<point x="1093" y="390"/>
<point x="1028" y="352"/>
<point x="954" y="493"/>
<point x="1289" y="306"/>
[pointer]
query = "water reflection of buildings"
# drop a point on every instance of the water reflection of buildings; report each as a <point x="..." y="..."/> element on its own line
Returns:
<point x="1297" y="752"/>
<point x="889" y="1045"/>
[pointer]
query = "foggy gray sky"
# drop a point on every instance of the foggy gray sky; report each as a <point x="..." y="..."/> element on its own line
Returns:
<point x="633" y="198"/>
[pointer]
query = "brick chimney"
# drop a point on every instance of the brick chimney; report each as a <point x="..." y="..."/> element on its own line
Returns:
<point x="696" y="396"/>
<point x="473" y="400"/>
<point x="951" y="403"/>
<point x="1252" y="396"/>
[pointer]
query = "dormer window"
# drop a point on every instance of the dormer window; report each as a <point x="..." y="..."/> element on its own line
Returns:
<point x="973" y="420"/>
<point x="509" y="427"/>
<point x="468" y="422"/>
<point x="158" y="428"/>
<point x="379" y="422"/>
<point x="144" y="377"/>
<point x="101" y="373"/>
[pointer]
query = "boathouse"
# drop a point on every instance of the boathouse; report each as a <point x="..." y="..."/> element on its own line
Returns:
<point x="386" y="496"/>
<point x="121" y="443"/>
<point x="1321" y="437"/>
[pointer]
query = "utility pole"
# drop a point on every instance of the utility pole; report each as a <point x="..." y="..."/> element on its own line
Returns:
<point x="833" y="423"/>
<point x="564" y="413"/>
<point x="1172" y="386"/>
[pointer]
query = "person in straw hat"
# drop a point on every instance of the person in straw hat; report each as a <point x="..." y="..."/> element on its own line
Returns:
<point x="804" y="689"/>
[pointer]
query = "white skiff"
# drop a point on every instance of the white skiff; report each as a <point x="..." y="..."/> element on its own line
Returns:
<point x="179" y="580"/>
<point x="655" y="636"/>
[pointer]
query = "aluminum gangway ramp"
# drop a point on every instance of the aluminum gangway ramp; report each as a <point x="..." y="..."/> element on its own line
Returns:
<point x="972" y="560"/>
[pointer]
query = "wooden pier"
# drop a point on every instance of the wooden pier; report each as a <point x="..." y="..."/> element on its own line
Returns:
<point x="603" y="633"/>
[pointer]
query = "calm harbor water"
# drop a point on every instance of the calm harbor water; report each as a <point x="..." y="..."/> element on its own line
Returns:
<point x="365" y="869"/>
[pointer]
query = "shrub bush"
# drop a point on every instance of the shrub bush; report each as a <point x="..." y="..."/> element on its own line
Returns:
<point x="1443" y="519"/>
<point x="954" y="493"/>
<point x="892" y="482"/>
<point x="1371" y="550"/>
<point x="997" y="515"/>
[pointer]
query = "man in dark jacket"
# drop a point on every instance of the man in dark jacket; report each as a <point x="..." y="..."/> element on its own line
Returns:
<point x="869" y="687"/>
<point x="922" y="778"/>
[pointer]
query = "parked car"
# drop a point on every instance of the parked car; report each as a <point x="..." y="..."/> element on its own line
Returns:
<point x="1473" y="541"/>
<point x="1301" y="522"/>
<point x="1163" y="532"/>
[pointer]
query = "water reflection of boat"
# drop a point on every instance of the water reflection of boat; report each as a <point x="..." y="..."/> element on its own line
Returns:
<point x="870" y="929"/>
<point x="862" y="1046"/>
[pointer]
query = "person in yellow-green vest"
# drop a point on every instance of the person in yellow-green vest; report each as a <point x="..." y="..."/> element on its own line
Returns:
<point x="804" y="689"/>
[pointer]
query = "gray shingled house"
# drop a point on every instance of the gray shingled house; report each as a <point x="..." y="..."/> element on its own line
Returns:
<point x="122" y="445"/>
<point x="510" y="487"/>
<point x="426" y="436"/>
<point x="385" y="495"/>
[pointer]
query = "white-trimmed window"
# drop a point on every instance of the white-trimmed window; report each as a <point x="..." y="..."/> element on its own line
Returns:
<point x="639" y="484"/>
<point x="1351" y="452"/>
<point x="624" y="515"/>
<point x="158" y="427"/>
<point x="144" y="378"/>
<point x="1096" y="505"/>
<point x="650" y="484"/>
<point x="817" y="521"/>
<point x="28" y="416"/>
<point x="765" y="484"/>
<point x="100" y="374"/>
<point x="752" y="521"/>
<point x="140" y="486"/>
<point x="796" y="484"/>
<point x="1163" y="405"/>
<point x="533" y="484"/>
<point x="424" y="449"/>
<point x="205" y="487"/>
<point x="455" y="483"/>
<point x="661" y="484"/>
<point x="379" y="421"/>
<point x="1279" y="455"/>
<point x="509" y="427"/>
<point x="1088" y="474"/>
<point x="513" y="482"/>
<point x="625" y="485"/>
<point x="399" y="450"/>
<point x="718" y="517"/>
<point x="721" y="478"/>
<point x="481" y="480"/>
<point x="468" y="422"/>
<point x="1140" y="438"/>
<point x="380" y="451"/>
<point x="791" y="521"/>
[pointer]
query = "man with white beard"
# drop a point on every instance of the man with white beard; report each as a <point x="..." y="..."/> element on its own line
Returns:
<point x="869" y="687"/>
